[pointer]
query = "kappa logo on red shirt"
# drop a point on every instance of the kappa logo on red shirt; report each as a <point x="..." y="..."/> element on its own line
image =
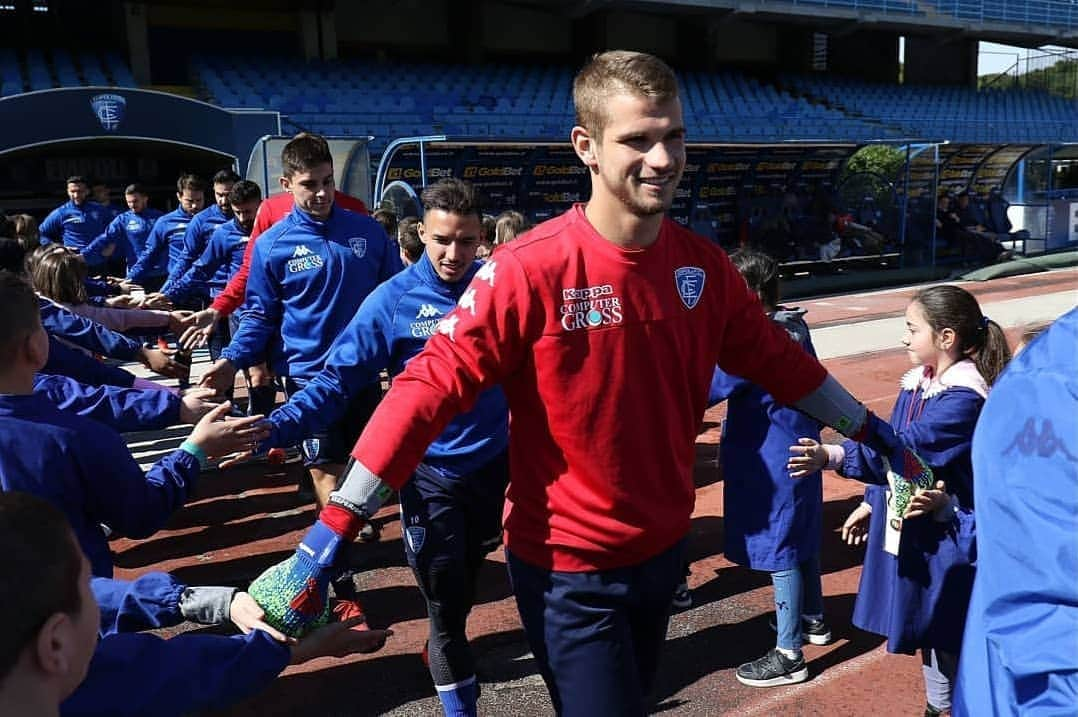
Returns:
<point x="590" y="307"/>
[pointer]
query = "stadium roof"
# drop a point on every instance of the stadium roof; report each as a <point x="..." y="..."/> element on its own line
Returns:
<point x="1026" y="24"/>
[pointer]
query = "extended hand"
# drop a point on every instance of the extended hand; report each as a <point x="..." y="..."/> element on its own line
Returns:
<point x="160" y="360"/>
<point x="195" y="404"/>
<point x="338" y="639"/>
<point x="220" y="437"/>
<point x="220" y="377"/>
<point x="927" y="500"/>
<point x="855" y="529"/>
<point x="807" y="457"/>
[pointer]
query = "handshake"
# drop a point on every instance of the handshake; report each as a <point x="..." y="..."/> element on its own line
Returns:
<point x="294" y="593"/>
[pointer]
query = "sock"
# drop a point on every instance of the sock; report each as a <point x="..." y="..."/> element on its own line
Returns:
<point x="459" y="699"/>
<point x="818" y="616"/>
<point x="789" y="654"/>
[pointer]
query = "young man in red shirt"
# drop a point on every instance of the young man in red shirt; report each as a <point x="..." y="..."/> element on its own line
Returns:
<point x="603" y="327"/>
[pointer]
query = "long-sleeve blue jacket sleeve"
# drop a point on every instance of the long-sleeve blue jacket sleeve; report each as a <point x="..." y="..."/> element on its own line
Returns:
<point x="202" y="270"/>
<point x="66" y="361"/>
<point x="135" y="504"/>
<point x="355" y="360"/>
<point x="52" y="228"/>
<point x="138" y="674"/>
<point x="261" y="318"/>
<point x="940" y="435"/>
<point x="155" y="244"/>
<point x="122" y="409"/>
<point x="113" y="234"/>
<point x="146" y="603"/>
<point x="90" y="335"/>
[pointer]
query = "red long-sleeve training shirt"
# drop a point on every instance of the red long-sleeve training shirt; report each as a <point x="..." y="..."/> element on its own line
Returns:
<point x="271" y="211"/>
<point x="606" y="357"/>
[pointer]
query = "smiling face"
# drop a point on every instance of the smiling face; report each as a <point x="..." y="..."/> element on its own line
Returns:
<point x="638" y="158"/>
<point x="312" y="189"/>
<point x="450" y="242"/>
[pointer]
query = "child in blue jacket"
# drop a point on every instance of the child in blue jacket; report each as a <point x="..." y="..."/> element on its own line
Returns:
<point x="80" y="465"/>
<point x="71" y="647"/>
<point x="919" y="564"/>
<point x="772" y="521"/>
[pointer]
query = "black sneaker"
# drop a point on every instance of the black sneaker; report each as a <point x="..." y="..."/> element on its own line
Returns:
<point x="814" y="631"/>
<point x="682" y="596"/>
<point x="774" y="669"/>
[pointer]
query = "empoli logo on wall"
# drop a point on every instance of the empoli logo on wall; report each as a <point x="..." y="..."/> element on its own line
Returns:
<point x="109" y="109"/>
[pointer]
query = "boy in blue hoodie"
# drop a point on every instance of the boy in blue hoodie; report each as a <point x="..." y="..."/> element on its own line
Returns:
<point x="309" y="273"/>
<point x="451" y="512"/>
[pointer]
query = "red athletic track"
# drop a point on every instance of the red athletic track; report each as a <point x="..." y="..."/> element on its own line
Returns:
<point x="246" y="519"/>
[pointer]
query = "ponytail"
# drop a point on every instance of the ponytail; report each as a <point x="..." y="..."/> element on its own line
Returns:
<point x="992" y="357"/>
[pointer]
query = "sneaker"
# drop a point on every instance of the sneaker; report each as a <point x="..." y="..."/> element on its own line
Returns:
<point x="348" y="609"/>
<point x="815" y="631"/>
<point x="812" y="631"/>
<point x="773" y="670"/>
<point x="682" y="596"/>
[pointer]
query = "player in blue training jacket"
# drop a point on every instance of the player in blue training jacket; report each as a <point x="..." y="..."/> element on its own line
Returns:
<point x="223" y="256"/>
<point x="126" y="235"/>
<point x="195" y="239"/>
<point x="80" y="465"/>
<point x="1020" y="650"/>
<point x="309" y="273"/>
<point x="164" y="247"/>
<point x="451" y="512"/>
<point x="77" y="222"/>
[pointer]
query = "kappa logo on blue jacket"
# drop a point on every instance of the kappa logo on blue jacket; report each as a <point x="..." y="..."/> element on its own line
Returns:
<point x="109" y="109"/>
<point x="690" y="284"/>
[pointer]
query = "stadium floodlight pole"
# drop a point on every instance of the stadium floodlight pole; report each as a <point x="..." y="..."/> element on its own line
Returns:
<point x="390" y="152"/>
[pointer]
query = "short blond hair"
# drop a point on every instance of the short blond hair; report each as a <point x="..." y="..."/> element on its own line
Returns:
<point x="608" y="73"/>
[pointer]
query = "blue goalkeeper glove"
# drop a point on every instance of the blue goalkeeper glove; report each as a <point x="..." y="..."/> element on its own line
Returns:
<point x="295" y="593"/>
